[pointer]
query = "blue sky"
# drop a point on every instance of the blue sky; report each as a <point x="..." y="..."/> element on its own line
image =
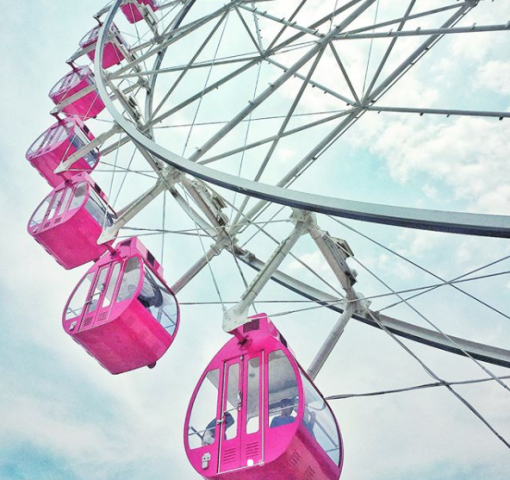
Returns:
<point x="63" y="417"/>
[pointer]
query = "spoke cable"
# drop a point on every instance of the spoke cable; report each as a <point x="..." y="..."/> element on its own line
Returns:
<point x="410" y="389"/>
<point x="433" y="325"/>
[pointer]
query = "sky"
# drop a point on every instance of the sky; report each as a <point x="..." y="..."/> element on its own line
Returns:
<point x="64" y="417"/>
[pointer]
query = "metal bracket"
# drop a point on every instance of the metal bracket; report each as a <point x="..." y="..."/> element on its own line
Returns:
<point x="336" y="252"/>
<point x="210" y="203"/>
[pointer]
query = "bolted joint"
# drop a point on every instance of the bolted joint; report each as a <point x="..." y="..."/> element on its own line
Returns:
<point x="213" y="203"/>
<point x="362" y="305"/>
<point x="306" y="219"/>
<point x="336" y="252"/>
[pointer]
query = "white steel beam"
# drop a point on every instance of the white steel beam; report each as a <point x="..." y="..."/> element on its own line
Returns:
<point x="485" y="353"/>
<point x="424" y="31"/>
<point x="126" y="214"/>
<point x="99" y="140"/>
<point x="439" y="111"/>
<point x="238" y="314"/>
<point x="330" y="343"/>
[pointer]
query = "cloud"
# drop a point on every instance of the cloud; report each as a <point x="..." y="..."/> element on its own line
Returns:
<point x="494" y="76"/>
<point x="452" y="153"/>
<point x="96" y="426"/>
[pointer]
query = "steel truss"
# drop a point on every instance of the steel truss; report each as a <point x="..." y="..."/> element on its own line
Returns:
<point x="173" y="169"/>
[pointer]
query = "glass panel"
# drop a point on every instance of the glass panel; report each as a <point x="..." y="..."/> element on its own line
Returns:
<point x="77" y="302"/>
<point x="76" y="141"/>
<point x="90" y="37"/>
<point x="232" y="402"/>
<point x="69" y="81"/>
<point x="129" y="280"/>
<point x="55" y="204"/>
<point x="99" y="289"/>
<point x="319" y="421"/>
<point x="111" y="285"/>
<point x="59" y="134"/>
<point x="252" y="396"/>
<point x="202" y="423"/>
<point x="90" y="157"/>
<point x="156" y="298"/>
<point x="283" y="390"/>
<point x="39" y="142"/>
<point x="58" y="85"/>
<point x="65" y="200"/>
<point x="79" y="195"/>
<point x="101" y="213"/>
<point x="38" y="215"/>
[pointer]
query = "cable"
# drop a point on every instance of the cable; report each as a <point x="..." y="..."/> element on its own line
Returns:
<point x="410" y="389"/>
<point x="450" y="389"/>
<point x="423" y="269"/>
<point x="225" y="22"/>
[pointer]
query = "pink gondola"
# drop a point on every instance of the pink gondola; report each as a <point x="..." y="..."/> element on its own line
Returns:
<point x="112" y="54"/>
<point x="255" y="414"/>
<point x="133" y="11"/>
<point x="57" y="144"/>
<point x="154" y="4"/>
<point x="86" y="106"/>
<point x="70" y="220"/>
<point x="122" y="312"/>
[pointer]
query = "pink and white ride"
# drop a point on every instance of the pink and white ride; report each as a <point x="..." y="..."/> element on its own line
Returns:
<point x="122" y="312"/>
<point x="113" y="50"/>
<point x="255" y="414"/>
<point x="70" y="91"/>
<point x="132" y="9"/>
<point x="70" y="220"/>
<point x="57" y="144"/>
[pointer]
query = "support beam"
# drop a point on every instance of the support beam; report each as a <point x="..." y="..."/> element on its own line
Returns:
<point x="238" y="314"/>
<point x="330" y="343"/>
<point x="485" y="353"/>
<point x="99" y="140"/>
<point x="336" y="252"/>
<point x="425" y="31"/>
<point x="130" y="211"/>
<point x="440" y="111"/>
<point x="195" y="269"/>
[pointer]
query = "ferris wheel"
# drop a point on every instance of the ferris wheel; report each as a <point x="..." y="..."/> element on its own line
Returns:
<point x="259" y="125"/>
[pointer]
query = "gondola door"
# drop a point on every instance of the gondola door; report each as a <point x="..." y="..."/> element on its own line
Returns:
<point x="242" y="406"/>
<point x="96" y="295"/>
<point x="252" y="445"/>
<point x="231" y="416"/>
<point x="107" y="293"/>
<point x="100" y="299"/>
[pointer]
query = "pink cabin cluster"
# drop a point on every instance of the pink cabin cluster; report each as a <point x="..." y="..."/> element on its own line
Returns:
<point x="255" y="414"/>
<point x="122" y="312"/>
